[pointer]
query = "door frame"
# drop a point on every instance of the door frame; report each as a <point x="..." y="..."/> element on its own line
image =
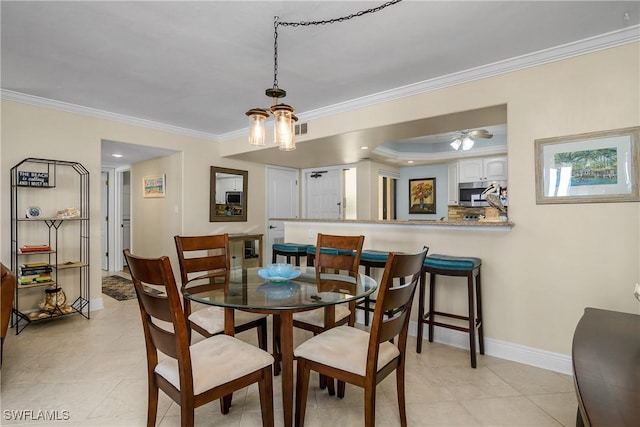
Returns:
<point x="111" y="234"/>
<point x="106" y="232"/>
<point x="269" y="239"/>
<point x="114" y="196"/>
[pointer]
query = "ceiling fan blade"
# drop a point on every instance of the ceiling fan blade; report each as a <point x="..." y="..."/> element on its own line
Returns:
<point x="480" y="133"/>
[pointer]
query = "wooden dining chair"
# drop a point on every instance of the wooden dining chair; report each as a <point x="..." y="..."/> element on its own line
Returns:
<point x="7" y="296"/>
<point x="192" y="375"/>
<point x="362" y="358"/>
<point x="210" y="257"/>
<point x="332" y="254"/>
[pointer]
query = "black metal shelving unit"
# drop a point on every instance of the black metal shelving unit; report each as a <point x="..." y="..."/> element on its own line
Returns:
<point x="35" y="179"/>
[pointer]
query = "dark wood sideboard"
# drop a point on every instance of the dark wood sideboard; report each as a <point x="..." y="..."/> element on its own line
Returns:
<point x="606" y="368"/>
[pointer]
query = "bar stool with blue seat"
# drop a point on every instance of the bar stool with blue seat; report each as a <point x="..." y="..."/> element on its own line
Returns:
<point x="311" y="253"/>
<point x="370" y="259"/>
<point x="446" y="265"/>
<point x="289" y="250"/>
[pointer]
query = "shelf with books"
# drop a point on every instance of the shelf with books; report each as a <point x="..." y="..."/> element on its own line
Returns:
<point x="35" y="285"/>
<point x="49" y="241"/>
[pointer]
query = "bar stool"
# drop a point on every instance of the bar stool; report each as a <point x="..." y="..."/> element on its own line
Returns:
<point x="446" y="265"/>
<point x="370" y="259"/>
<point x="288" y="250"/>
<point x="311" y="253"/>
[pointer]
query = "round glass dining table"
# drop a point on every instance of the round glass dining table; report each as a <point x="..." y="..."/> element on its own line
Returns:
<point x="248" y="291"/>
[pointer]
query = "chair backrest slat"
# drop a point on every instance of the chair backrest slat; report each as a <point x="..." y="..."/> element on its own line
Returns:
<point x="392" y="327"/>
<point x="163" y="340"/>
<point x="203" y="254"/>
<point x="156" y="306"/>
<point x="396" y="300"/>
<point x="339" y="261"/>
<point x="206" y="263"/>
<point x="397" y="297"/>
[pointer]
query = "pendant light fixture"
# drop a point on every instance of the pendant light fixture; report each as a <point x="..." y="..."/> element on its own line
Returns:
<point x="283" y="114"/>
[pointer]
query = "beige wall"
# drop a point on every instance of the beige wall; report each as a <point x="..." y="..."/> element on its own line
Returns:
<point x="31" y="131"/>
<point x="558" y="259"/>
<point x="538" y="277"/>
<point x="368" y="195"/>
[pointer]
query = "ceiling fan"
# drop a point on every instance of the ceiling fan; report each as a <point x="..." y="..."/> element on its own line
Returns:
<point x="465" y="138"/>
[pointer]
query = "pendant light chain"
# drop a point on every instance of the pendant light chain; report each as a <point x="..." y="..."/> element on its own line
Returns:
<point x="341" y="19"/>
<point x="275" y="51"/>
<point x="284" y="117"/>
<point x="277" y="23"/>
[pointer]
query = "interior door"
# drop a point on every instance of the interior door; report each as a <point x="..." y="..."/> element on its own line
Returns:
<point x="324" y="194"/>
<point x="282" y="202"/>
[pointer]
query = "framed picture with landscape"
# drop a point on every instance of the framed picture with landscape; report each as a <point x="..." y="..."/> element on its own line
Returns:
<point x="588" y="168"/>
<point x="422" y="196"/>
<point x="153" y="186"/>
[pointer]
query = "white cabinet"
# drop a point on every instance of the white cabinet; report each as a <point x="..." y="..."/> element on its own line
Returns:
<point x="495" y="169"/>
<point x="452" y="184"/>
<point x="483" y="169"/>
<point x="225" y="184"/>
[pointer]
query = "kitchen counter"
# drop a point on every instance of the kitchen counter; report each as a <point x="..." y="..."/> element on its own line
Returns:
<point x="503" y="225"/>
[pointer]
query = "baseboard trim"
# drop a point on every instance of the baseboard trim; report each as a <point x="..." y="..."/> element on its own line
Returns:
<point x="539" y="358"/>
<point x="96" y="304"/>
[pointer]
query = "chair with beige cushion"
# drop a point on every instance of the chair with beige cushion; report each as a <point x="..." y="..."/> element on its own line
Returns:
<point x="332" y="254"/>
<point x="209" y="256"/>
<point x="192" y="375"/>
<point x="363" y="358"/>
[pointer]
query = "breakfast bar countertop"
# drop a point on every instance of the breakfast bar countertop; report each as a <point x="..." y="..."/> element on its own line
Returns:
<point x="505" y="225"/>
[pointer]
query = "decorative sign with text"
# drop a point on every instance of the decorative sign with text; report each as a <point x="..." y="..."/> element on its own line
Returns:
<point x="33" y="179"/>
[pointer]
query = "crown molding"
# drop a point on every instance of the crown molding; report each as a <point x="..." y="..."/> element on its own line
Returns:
<point x="404" y="156"/>
<point x="24" y="98"/>
<point x="557" y="53"/>
<point x="593" y="44"/>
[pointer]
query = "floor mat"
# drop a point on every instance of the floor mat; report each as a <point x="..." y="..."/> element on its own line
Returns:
<point x="121" y="289"/>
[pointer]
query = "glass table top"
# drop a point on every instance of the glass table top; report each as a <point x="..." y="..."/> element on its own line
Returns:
<point x="247" y="290"/>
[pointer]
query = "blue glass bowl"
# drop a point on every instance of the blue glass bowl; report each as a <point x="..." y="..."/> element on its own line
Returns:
<point x="278" y="272"/>
<point x="279" y="269"/>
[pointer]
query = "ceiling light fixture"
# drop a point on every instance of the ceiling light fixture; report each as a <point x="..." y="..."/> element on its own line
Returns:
<point x="465" y="138"/>
<point x="284" y="117"/>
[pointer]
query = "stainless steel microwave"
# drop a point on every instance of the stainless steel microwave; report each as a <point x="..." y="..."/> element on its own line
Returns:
<point x="233" y="197"/>
<point x="470" y="193"/>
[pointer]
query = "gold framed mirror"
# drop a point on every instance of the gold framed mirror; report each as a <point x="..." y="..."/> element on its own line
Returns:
<point x="228" y="195"/>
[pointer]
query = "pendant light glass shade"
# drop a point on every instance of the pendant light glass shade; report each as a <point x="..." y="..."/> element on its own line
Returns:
<point x="283" y="127"/>
<point x="257" y="117"/>
<point x="456" y="144"/>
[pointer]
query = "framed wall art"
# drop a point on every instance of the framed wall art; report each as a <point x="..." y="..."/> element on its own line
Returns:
<point x="422" y="196"/>
<point x="588" y="168"/>
<point x="153" y="186"/>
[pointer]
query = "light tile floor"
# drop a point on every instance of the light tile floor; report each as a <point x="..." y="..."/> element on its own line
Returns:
<point x="93" y="372"/>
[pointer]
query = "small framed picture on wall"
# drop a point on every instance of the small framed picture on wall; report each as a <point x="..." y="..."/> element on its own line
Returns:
<point x="422" y="196"/>
<point x="153" y="186"/>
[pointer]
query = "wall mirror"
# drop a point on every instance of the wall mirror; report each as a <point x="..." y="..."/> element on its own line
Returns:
<point x="228" y="195"/>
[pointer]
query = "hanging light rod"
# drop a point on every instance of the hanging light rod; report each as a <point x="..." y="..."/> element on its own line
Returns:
<point x="284" y="117"/>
